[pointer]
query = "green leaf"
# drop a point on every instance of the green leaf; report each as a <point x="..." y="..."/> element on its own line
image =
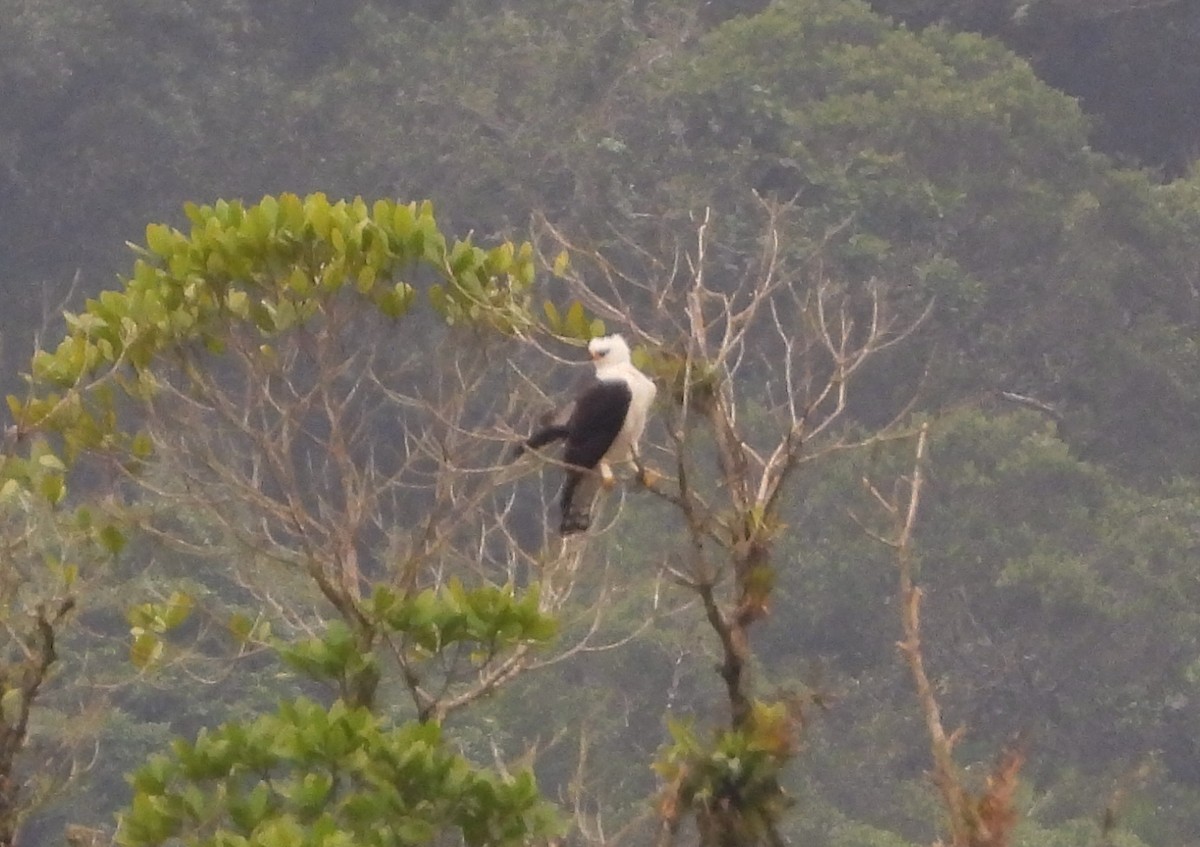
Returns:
<point x="239" y="304"/>
<point x="141" y="446"/>
<point x="462" y="258"/>
<point x="160" y="239"/>
<point x="576" y="323"/>
<point x="112" y="539"/>
<point x="403" y="221"/>
<point x="52" y="488"/>
<point x="11" y="704"/>
<point x="249" y="811"/>
<point x="500" y="259"/>
<point x="394" y="302"/>
<point x="366" y="280"/>
<point x="179" y="607"/>
<point x="312" y="792"/>
<point x="300" y="282"/>
<point x="333" y="275"/>
<point x="383" y="601"/>
<point x="240" y="626"/>
<point x="439" y="301"/>
<point x="316" y="207"/>
<point x="146" y="649"/>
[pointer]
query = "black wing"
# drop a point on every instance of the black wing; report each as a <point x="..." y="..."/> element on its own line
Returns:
<point x="554" y="424"/>
<point x="595" y="423"/>
<point x="597" y="419"/>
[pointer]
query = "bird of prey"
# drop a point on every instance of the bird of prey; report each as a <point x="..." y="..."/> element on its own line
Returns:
<point x="601" y="427"/>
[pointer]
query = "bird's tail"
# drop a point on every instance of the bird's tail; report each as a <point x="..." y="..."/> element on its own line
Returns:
<point x="578" y="494"/>
<point x="575" y="520"/>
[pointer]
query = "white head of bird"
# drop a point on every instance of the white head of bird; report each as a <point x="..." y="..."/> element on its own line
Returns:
<point x="609" y="350"/>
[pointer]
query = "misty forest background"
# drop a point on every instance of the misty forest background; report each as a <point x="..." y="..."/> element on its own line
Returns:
<point x="1021" y="175"/>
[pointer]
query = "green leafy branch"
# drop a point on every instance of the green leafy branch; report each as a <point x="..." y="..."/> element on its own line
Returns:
<point x="731" y="783"/>
<point x="307" y="775"/>
<point x="269" y="267"/>
<point x="491" y="625"/>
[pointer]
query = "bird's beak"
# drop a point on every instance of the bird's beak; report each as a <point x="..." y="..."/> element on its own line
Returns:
<point x="595" y="356"/>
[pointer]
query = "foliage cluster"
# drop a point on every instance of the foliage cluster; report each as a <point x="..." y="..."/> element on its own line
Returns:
<point x="316" y="776"/>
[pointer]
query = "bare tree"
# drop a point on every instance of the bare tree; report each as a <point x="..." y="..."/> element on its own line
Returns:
<point x="268" y="403"/>
<point x="759" y="359"/>
<point x="353" y="453"/>
<point x="985" y="819"/>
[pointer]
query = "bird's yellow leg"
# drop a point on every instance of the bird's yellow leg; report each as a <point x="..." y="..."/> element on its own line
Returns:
<point x="606" y="475"/>
<point x="648" y="476"/>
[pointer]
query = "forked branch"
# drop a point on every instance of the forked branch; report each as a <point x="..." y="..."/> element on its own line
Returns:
<point x="986" y="820"/>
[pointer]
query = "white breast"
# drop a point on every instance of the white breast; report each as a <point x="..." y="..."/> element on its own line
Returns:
<point x="643" y="392"/>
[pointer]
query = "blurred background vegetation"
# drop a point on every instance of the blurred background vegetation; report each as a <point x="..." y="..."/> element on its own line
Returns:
<point x="1028" y="168"/>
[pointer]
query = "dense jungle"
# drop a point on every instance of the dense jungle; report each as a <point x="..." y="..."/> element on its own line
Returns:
<point x="910" y="553"/>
